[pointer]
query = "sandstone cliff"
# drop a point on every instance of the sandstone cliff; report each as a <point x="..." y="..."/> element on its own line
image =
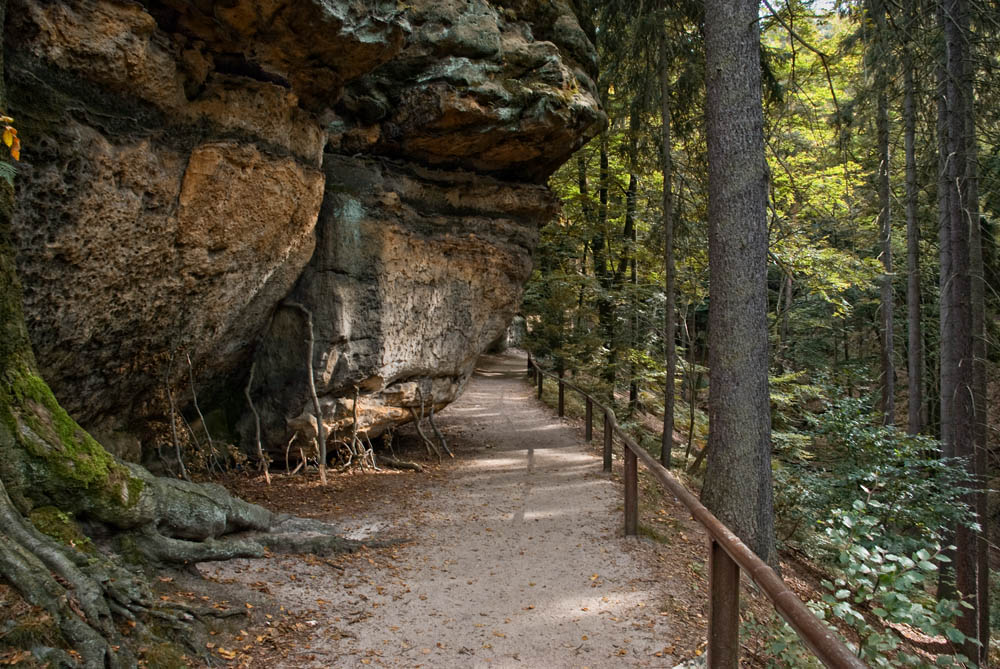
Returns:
<point x="191" y="166"/>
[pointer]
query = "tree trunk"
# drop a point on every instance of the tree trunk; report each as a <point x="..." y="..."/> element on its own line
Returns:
<point x="669" y="291"/>
<point x="915" y="346"/>
<point x="885" y="227"/>
<point x="957" y="369"/>
<point x="738" y="486"/>
<point x="605" y="274"/>
<point x="980" y="428"/>
<point x="629" y="243"/>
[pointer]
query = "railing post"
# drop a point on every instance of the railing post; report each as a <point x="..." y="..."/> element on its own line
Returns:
<point x="562" y="395"/>
<point x="631" y="493"/>
<point x="724" y="610"/>
<point x="590" y="420"/>
<point x="540" y="377"/>
<point x="529" y="364"/>
<point x="607" y="443"/>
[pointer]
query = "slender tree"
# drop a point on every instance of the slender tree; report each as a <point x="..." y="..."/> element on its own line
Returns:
<point x="916" y="415"/>
<point x="669" y="289"/>
<point x="878" y="56"/>
<point x="738" y="484"/>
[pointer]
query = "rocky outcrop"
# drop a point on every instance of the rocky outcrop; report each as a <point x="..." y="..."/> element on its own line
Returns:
<point x="190" y="166"/>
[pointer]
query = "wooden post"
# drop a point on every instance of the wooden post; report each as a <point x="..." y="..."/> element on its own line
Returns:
<point x="607" y="443"/>
<point x="631" y="493"/>
<point x="529" y="364"/>
<point x="540" y="377"/>
<point x="590" y="419"/>
<point x="724" y="610"/>
<point x="562" y="395"/>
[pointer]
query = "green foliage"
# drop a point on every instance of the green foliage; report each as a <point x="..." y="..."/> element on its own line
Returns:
<point x="915" y="494"/>
<point x="874" y="577"/>
<point x="872" y="585"/>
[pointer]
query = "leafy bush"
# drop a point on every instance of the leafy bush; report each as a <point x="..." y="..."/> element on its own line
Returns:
<point x="874" y="580"/>
<point x="914" y="493"/>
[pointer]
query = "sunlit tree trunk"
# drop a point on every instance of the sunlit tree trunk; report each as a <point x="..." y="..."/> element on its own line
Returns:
<point x="879" y="56"/>
<point x="669" y="289"/>
<point x="738" y="486"/>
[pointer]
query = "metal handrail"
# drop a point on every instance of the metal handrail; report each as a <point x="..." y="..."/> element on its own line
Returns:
<point x="728" y="553"/>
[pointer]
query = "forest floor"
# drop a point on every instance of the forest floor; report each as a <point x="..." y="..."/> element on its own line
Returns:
<point x="510" y="555"/>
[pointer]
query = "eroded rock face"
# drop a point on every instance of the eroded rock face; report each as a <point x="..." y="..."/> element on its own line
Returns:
<point x="189" y="166"/>
<point x="415" y="272"/>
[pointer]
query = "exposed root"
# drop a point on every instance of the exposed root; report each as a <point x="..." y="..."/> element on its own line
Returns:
<point x="431" y="447"/>
<point x="390" y="461"/>
<point x="320" y="431"/>
<point x="371" y="453"/>
<point x="437" y="432"/>
<point x="173" y="423"/>
<point x="213" y="461"/>
<point x="264" y="460"/>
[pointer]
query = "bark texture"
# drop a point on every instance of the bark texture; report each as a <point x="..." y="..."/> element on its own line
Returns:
<point x="959" y="216"/>
<point x="738" y="487"/>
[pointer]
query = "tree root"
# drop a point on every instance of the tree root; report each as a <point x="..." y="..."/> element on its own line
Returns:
<point x="390" y="461"/>
<point x="437" y="432"/>
<point x="432" y="448"/>
<point x="263" y="460"/>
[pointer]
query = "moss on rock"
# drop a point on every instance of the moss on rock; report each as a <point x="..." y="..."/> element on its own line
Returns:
<point x="60" y="526"/>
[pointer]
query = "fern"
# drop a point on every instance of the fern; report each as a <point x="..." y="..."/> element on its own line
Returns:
<point x="7" y="172"/>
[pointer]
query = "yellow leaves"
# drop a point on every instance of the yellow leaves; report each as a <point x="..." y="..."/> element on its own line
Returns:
<point x="10" y="138"/>
<point x="226" y="653"/>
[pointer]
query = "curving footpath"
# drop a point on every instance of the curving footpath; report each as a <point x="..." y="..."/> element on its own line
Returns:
<point x="516" y="556"/>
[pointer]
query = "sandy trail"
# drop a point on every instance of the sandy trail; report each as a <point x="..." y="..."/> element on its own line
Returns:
<point x="515" y="557"/>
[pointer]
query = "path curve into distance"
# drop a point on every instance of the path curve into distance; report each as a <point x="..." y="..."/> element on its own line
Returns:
<point x="515" y="556"/>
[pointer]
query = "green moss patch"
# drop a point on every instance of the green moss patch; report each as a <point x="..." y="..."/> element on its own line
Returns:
<point x="61" y="527"/>
<point x="69" y="456"/>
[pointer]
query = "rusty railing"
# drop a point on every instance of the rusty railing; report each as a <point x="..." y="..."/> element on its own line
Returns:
<point x="727" y="553"/>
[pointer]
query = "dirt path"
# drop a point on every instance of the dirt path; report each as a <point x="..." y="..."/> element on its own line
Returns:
<point x="515" y="556"/>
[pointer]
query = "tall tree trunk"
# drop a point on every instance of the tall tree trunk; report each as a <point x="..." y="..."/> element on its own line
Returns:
<point x="885" y="227"/>
<point x="669" y="291"/>
<point x="915" y="348"/>
<point x="738" y="486"/>
<point x="605" y="274"/>
<point x="958" y="368"/>
<point x="980" y="428"/>
<point x="885" y="212"/>
<point x="629" y="244"/>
